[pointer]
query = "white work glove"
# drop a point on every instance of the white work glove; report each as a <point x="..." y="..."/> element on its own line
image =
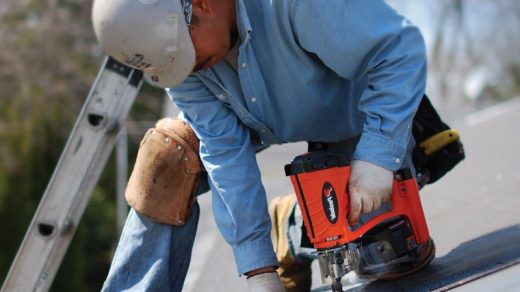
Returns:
<point x="266" y="282"/>
<point x="369" y="187"/>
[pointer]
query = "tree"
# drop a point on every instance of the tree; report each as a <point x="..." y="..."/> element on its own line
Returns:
<point x="477" y="43"/>
<point x="473" y="51"/>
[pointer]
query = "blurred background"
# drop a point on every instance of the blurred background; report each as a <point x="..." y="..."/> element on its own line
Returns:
<point x="49" y="58"/>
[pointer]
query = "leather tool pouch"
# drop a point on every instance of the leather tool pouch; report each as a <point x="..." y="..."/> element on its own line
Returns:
<point x="432" y="163"/>
<point x="164" y="179"/>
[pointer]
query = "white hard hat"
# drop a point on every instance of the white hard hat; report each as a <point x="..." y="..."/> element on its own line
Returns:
<point x="151" y="35"/>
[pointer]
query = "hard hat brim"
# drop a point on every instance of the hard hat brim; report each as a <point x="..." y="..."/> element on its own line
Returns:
<point x="175" y="72"/>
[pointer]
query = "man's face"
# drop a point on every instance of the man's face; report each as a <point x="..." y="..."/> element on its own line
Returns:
<point x="213" y="32"/>
<point x="211" y="45"/>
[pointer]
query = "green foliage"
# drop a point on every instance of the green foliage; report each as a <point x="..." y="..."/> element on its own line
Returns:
<point x="31" y="146"/>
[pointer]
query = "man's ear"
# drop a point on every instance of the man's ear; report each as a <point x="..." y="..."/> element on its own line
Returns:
<point x="204" y="6"/>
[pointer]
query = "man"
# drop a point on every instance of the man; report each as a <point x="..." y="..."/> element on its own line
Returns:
<point x="247" y="74"/>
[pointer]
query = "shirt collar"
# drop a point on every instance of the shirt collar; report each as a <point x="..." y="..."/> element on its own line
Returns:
<point x="243" y="23"/>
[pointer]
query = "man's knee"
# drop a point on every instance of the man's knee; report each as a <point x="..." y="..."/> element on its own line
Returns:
<point x="164" y="179"/>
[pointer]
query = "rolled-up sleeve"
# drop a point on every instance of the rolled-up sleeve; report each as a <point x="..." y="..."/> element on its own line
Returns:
<point x="367" y="41"/>
<point x="239" y="201"/>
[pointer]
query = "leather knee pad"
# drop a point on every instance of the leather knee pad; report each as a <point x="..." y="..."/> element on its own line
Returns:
<point x="164" y="179"/>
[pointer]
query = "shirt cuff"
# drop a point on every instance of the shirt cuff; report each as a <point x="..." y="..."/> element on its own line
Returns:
<point x="254" y="254"/>
<point x="380" y="151"/>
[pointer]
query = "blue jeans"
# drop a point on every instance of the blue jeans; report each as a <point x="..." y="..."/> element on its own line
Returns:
<point x="152" y="256"/>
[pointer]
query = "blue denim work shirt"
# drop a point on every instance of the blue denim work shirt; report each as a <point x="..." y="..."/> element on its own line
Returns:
<point x="307" y="71"/>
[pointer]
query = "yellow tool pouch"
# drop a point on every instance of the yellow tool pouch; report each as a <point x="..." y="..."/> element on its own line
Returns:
<point x="164" y="179"/>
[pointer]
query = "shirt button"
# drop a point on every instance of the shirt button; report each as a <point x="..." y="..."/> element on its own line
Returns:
<point x="244" y="65"/>
<point x="253" y="99"/>
<point x="397" y="160"/>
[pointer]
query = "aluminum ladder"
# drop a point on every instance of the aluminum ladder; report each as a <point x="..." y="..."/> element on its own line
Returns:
<point x="75" y="176"/>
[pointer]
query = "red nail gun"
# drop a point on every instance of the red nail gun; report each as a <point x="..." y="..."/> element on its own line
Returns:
<point x="385" y="242"/>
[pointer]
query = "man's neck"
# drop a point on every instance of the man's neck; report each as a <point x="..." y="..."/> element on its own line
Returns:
<point x="233" y="29"/>
<point x="232" y="56"/>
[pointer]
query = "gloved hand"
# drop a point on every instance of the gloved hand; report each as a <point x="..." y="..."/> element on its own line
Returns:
<point x="266" y="282"/>
<point x="369" y="187"/>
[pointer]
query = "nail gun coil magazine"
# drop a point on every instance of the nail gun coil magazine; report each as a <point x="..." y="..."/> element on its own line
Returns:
<point x="320" y="180"/>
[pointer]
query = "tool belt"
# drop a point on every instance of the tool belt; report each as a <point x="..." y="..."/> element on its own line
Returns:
<point x="165" y="176"/>
<point x="438" y="147"/>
